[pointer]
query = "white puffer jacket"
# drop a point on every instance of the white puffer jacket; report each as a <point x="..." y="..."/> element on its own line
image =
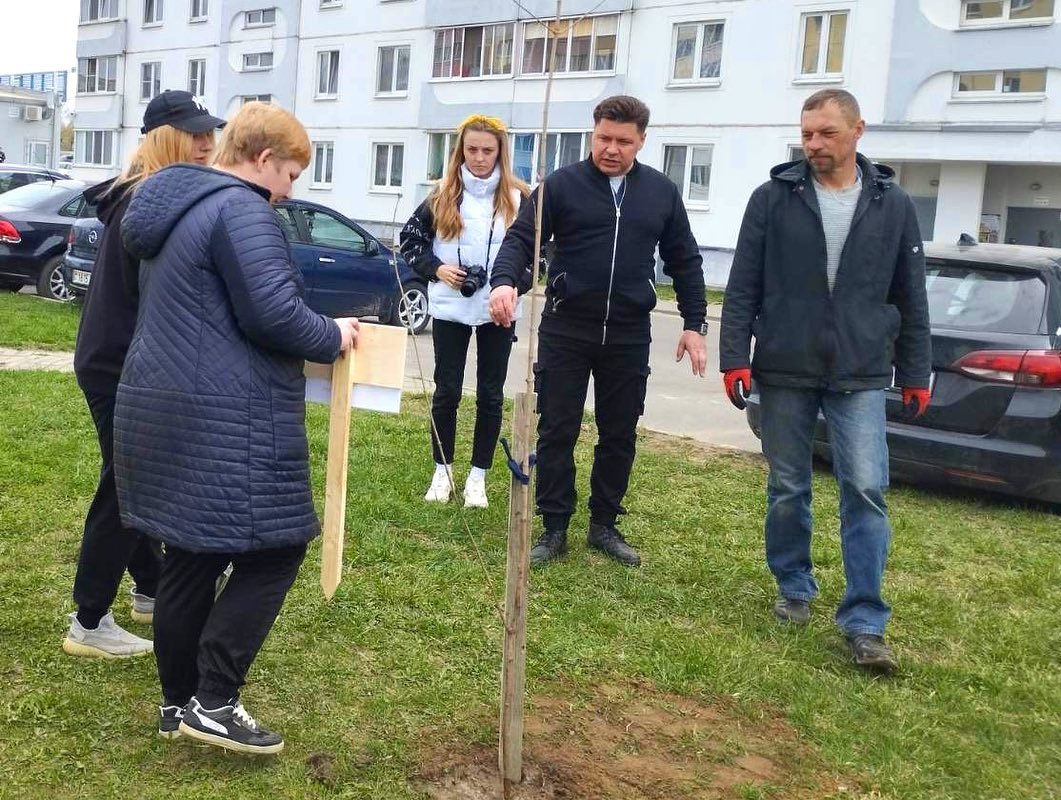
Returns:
<point x="477" y="212"/>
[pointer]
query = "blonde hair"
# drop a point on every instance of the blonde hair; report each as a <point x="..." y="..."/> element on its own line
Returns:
<point x="257" y="127"/>
<point x="446" y="199"/>
<point x="161" y="147"/>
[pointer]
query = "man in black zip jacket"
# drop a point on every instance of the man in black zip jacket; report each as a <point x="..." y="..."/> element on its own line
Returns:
<point x="829" y="277"/>
<point x="606" y="216"/>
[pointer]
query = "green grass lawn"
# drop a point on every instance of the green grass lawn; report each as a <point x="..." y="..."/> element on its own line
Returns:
<point x="405" y="659"/>
<point x="665" y="291"/>
<point x="29" y="322"/>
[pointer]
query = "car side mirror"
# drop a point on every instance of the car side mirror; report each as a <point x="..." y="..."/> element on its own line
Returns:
<point x="372" y="248"/>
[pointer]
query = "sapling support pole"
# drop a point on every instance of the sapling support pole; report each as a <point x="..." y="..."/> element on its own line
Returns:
<point x="513" y="665"/>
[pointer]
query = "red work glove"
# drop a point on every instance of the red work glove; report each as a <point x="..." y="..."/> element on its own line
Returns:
<point x="915" y="401"/>
<point x="738" y="383"/>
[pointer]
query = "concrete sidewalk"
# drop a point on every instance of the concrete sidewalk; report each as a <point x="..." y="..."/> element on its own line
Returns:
<point x="48" y="360"/>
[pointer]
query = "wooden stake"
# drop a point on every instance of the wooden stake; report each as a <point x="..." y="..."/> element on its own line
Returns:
<point x="513" y="665"/>
<point x="335" y="485"/>
<point x="510" y="752"/>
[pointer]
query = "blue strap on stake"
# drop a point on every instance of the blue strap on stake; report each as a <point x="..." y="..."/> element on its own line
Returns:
<point x="515" y="467"/>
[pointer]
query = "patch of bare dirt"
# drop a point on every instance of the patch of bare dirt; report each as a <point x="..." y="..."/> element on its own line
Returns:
<point x="632" y="742"/>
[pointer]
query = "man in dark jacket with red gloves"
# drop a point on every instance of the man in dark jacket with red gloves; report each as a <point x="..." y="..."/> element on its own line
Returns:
<point x="829" y="277"/>
<point x="606" y="216"/>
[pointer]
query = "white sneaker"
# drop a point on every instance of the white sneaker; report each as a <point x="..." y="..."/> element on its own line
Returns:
<point x="475" y="493"/>
<point x="143" y="607"/>
<point x="439" y="490"/>
<point x="108" y="640"/>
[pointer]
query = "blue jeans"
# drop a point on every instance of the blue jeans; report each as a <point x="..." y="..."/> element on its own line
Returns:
<point x="860" y="462"/>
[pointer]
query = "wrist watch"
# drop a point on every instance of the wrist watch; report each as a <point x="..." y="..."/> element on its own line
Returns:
<point x="703" y="329"/>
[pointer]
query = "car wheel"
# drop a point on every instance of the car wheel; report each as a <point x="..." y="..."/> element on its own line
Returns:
<point x="51" y="283"/>
<point x="411" y="310"/>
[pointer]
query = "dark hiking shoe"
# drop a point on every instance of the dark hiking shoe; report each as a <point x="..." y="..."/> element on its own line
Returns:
<point x="872" y="654"/>
<point x="792" y="611"/>
<point x="609" y="541"/>
<point x="169" y="719"/>
<point x="230" y="727"/>
<point x="550" y="546"/>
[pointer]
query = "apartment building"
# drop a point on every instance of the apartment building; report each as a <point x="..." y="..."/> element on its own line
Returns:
<point x="961" y="97"/>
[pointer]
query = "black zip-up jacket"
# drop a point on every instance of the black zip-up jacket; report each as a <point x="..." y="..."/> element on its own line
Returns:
<point x="778" y="292"/>
<point x="601" y="276"/>
<point x="109" y="314"/>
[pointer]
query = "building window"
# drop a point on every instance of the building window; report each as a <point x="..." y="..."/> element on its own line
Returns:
<point x="197" y="77"/>
<point x="327" y="73"/>
<point x="96" y="10"/>
<point x="200" y="10"/>
<point x="689" y="166"/>
<point x="561" y="149"/>
<point x="582" y="45"/>
<point x="387" y="165"/>
<point x="697" y="53"/>
<point x="95" y="75"/>
<point x="257" y="61"/>
<point x="152" y="12"/>
<point x="822" y="45"/>
<point x="331" y="3"/>
<point x="255" y="98"/>
<point x="1001" y="11"/>
<point x="259" y="18"/>
<point x="392" y="70"/>
<point x="323" y="159"/>
<point x="1000" y="82"/>
<point x="439" y="149"/>
<point x="94" y="148"/>
<point x="37" y="153"/>
<point x="150" y="80"/>
<point x="473" y="52"/>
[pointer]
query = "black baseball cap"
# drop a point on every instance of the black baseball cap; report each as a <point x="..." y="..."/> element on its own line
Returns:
<point x="181" y="110"/>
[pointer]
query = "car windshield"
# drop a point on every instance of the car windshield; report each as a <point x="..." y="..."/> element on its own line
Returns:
<point x="972" y="298"/>
<point x="37" y="194"/>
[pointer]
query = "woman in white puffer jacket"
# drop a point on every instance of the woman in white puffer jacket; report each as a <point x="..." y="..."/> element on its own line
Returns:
<point x="452" y="240"/>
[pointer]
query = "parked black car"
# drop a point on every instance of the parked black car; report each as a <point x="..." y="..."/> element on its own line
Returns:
<point x="995" y="418"/>
<point x="347" y="271"/>
<point x="34" y="223"/>
<point x="12" y="176"/>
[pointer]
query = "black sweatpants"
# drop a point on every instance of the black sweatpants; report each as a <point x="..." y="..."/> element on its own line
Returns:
<point x="203" y="644"/>
<point x="493" y="346"/>
<point x="108" y="548"/>
<point x="620" y="377"/>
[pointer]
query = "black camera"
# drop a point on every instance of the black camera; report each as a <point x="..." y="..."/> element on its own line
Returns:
<point x="474" y="279"/>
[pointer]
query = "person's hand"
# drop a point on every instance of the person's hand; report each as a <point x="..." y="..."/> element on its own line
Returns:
<point x="451" y="276"/>
<point x="738" y="383"/>
<point x="503" y="305"/>
<point x="348" y="328"/>
<point x="692" y="342"/>
<point x="916" y="400"/>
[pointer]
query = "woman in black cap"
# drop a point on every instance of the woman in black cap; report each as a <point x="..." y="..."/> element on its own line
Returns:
<point x="177" y="129"/>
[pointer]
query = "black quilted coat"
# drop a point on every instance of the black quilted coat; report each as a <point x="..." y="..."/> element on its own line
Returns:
<point x="209" y="432"/>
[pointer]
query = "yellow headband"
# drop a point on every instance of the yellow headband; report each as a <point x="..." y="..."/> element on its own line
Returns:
<point x="493" y="123"/>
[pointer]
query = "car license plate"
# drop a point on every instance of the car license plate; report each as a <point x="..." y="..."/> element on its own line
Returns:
<point x="82" y="277"/>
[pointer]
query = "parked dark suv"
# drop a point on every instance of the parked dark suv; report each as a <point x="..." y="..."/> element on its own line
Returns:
<point x="347" y="271"/>
<point x="995" y="418"/>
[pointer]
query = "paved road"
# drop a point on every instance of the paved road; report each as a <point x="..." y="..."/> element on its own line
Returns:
<point x="677" y="402"/>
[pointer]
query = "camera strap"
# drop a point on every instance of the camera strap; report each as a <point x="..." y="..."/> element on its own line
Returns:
<point x="489" y="244"/>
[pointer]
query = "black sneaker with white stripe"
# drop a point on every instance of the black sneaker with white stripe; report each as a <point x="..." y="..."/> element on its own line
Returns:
<point x="230" y="727"/>
<point x="169" y="718"/>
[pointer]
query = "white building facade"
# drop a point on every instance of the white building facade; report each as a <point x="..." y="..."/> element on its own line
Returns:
<point x="963" y="98"/>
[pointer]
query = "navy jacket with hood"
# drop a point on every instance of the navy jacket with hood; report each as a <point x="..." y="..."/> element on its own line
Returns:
<point x="210" y="439"/>
<point x="778" y="291"/>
